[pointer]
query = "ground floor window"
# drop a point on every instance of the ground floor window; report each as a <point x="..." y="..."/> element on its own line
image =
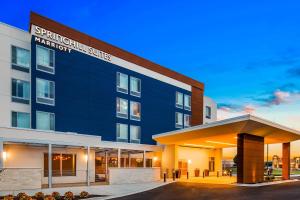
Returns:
<point x="62" y="164"/>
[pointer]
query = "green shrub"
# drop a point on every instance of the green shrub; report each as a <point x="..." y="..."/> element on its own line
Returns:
<point x="25" y="197"/>
<point x="84" y="194"/>
<point x="49" y="197"/>
<point x="69" y="196"/>
<point x="20" y="194"/>
<point x="39" y="196"/>
<point x="56" y="195"/>
<point x="8" y="197"/>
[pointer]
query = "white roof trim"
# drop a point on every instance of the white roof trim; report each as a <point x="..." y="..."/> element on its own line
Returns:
<point x="228" y="121"/>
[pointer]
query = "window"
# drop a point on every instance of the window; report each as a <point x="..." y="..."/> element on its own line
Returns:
<point x="62" y="164"/>
<point x="122" y="132"/>
<point x="187" y="120"/>
<point x="20" y="119"/>
<point x="45" y="59"/>
<point x="135" y="86"/>
<point x="20" y="59"/>
<point x="208" y="112"/>
<point x="122" y="108"/>
<point x="178" y="120"/>
<point x="179" y="100"/>
<point x="135" y="110"/>
<point x="20" y="91"/>
<point x="187" y="102"/>
<point x="122" y="83"/>
<point x="135" y="134"/>
<point x="45" y="121"/>
<point x="45" y="91"/>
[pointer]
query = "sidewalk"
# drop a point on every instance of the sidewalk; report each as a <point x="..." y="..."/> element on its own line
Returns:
<point x="110" y="191"/>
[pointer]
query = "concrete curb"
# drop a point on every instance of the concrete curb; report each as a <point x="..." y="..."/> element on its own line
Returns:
<point x="264" y="184"/>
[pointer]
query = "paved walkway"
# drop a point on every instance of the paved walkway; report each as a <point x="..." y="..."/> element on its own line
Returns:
<point x="210" y="180"/>
<point x="112" y="191"/>
<point x="196" y="191"/>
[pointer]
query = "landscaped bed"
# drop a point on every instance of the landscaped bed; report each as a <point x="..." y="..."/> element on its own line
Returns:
<point x="54" y="196"/>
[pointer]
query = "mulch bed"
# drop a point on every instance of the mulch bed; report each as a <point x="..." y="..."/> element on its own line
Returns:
<point x="76" y="197"/>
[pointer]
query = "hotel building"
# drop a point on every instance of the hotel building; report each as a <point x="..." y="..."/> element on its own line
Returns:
<point x="75" y="109"/>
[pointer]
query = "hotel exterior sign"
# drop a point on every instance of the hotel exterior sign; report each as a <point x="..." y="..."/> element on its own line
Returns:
<point x="66" y="44"/>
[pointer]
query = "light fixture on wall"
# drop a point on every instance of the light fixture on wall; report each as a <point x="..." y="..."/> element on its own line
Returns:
<point x="154" y="158"/>
<point x="86" y="157"/>
<point x="4" y="155"/>
<point x="189" y="162"/>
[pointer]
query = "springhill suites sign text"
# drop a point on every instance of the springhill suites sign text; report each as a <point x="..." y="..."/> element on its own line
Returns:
<point x="66" y="44"/>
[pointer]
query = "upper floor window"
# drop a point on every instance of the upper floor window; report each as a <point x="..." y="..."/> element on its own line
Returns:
<point x="45" y="59"/>
<point x="178" y="120"/>
<point x="122" y="83"/>
<point x="187" y="102"/>
<point x="187" y="120"/>
<point x="45" y="121"/>
<point x="179" y="100"/>
<point x="45" y="91"/>
<point x="20" y="59"/>
<point x="122" y="132"/>
<point x="208" y="112"/>
<point x="135" y="134"/>
<point x="20" y="91"/>
<point x="135" y="86"/>
<point x="20" y="119"/>
<point x="122" y="108"/>
<point x="135" y="110"/>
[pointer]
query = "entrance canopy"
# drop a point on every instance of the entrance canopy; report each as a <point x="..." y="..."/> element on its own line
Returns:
<point x="223" y="134"/>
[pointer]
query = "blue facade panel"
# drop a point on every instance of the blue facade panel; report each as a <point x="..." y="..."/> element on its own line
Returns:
<point x="85" y="97"/>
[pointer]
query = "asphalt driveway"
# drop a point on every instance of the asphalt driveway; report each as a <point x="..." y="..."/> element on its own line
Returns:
<point x="182" y="191"/>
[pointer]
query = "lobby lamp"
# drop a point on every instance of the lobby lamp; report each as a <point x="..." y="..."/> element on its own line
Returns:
<point x="4" y="155"/>
<point x="189" y="162"/>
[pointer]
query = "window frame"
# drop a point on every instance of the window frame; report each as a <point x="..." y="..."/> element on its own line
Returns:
<point x="11" y="119"/>
<point x="119" y="114"/>
<point x="187" y="107"/>
<point x="176" y="103"/>
<point x="49" y="67"/>
<point x="17" y="99"/>
<point x="119" y="88"/>
<point x="136" y="141"/>
<point x="119" y="139"/>
<point x="61" y="172"/>
<point x="184" y="124"/>
<point x="54" y="124"/>
<point x="208" y="108"/>
<point x="134" y="117"/>
<point x="136" y="93"/>
<point x="18" y="66"/>
<point x="176" y="124"/>
<point x="47" y="98"/>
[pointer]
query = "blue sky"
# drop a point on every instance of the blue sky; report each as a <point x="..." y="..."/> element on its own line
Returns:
<point x="246" y="52"/>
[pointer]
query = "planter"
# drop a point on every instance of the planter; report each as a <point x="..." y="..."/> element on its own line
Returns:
<point x="197" y="172"/>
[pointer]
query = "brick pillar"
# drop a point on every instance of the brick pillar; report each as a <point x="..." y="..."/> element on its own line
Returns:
<point x="250" y="158"/>
<point x="286" y="161"/>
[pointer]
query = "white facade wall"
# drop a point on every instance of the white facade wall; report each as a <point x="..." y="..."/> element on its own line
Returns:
<point x="11" y="36"/>
<point x="20" y="179"/>
<point x="207" y="101"/>
<point x="133" y="175"/>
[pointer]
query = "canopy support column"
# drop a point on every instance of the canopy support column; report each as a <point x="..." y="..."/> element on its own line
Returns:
<point x="286" y="159"/>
